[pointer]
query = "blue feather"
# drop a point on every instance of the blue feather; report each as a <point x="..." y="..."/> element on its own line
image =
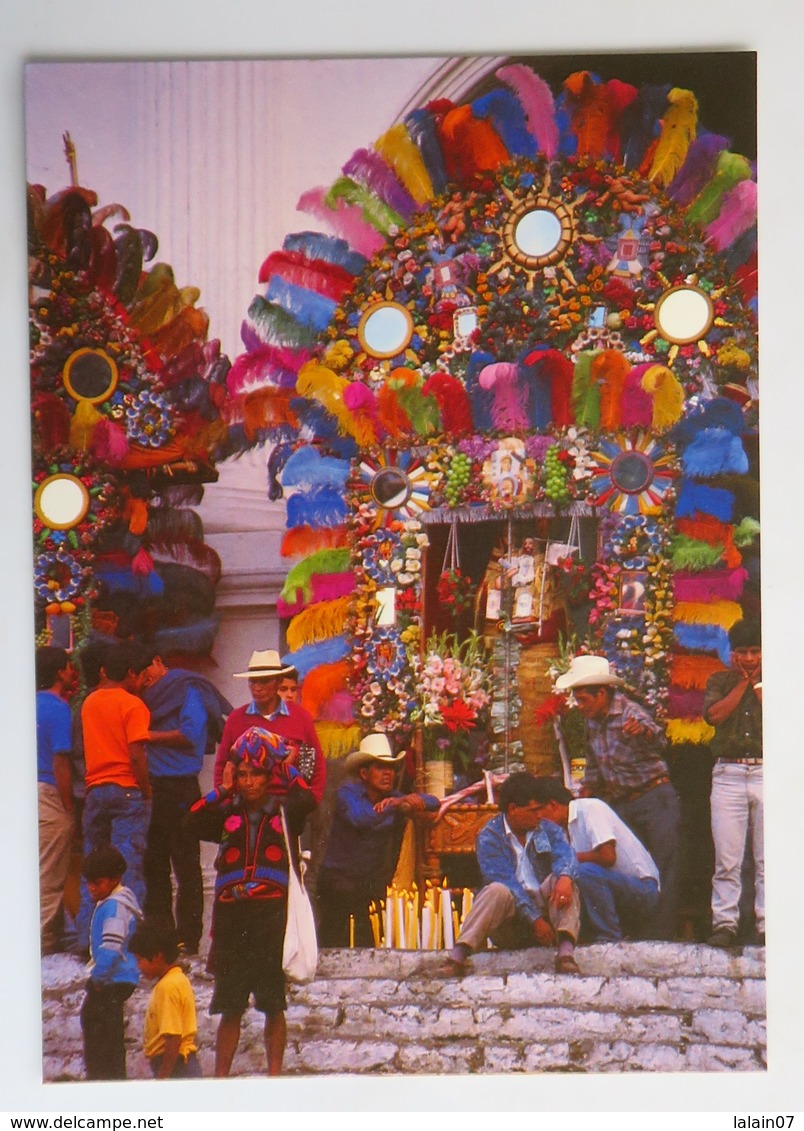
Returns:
<point x="742" y="249"/>
<point x="421" y="126"/>
<point x="308" y="307"/>
<point x="315" y="655"/>
<point x="315" y="245"/>
<point x="535" y="390"/>
<point x="508" y="117"/>
<point x="640" y="123"/>
<point x="307" y="468"/>
<point x="125" y="581"/>
<point x="688" y="427"/>
<point x="195" y="639"/>
<point x="279" y="456"/>
<point x="713" y="501"/>
<point x="714" y="451"/>
<point x="324" y="506"/>
<point x="704" y="638"/>
<point x="720" y="412"/>
<point x="482" y="399"/>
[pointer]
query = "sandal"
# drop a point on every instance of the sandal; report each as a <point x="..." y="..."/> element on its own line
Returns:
<point x="566" y="964"/>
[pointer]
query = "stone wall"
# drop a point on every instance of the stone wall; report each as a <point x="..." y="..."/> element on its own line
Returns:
<point x="655" y="1007"/>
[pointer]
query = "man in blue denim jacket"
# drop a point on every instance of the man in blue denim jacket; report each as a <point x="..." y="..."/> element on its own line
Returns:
<point x="529" y="870"/>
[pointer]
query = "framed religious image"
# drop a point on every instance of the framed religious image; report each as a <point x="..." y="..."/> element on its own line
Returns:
<point x="507" y="473"/>
<point x="632" y="591"/>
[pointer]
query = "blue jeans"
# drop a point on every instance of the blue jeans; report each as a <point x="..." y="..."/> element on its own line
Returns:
<point x="615" y="904"/>
<point x="655" y="818"/>
<point x="114" y="814"/>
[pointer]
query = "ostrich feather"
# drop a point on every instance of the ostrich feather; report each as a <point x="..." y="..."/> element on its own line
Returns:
<point x="737" y="214"/>
<point x="685" y="704"/>
<point x="362" y="403"/>
<point x="536" y="100"/>
<point x="265" y="365"/>
<point x="142" y="563"/>
<point x="746" y="531"/>
<point x="393" y="417"/>
<point x="709" y="585"/>
<point x="338" y="741"/>
<point x="51" y="421"/>
<point x="667" y="396"/>
<point x="693" y="671"/>
<point x="507" y="116"/>
<point x="694" y="497"/>
<point x="636" y="406"/>
<point x="372" y="171"/>
<point x="534" y="390"/>
<point x="620" y="95"/>
<point x="323" y="385"/>
<point x="590" y="114"/>
<point x="339" y="708"/>
<point x="693" y="554"/>
<point x="167" y="526"/>
<point x="66" y="223"/>
<point x="481" y="399"/>
<point x="697" y="169"/>
<point x="704" y="638"/>
<point x="274" y="325"/>
<point x="309" y="656"/>
<point x="507" y="409"/>
<point x="679" y="126"/>
<point x="107" y="211"/>
<point x="743" y="250"/>
<point x="324" y="682"/>
<point x="109" y="443"/>
<point x="300" y="541"/>
<point x="267" y="408"/>
<point x="322" y="562"/>
<point x="177" y="335"/>
<point x="400" y="151"/>
<point x="321" y="506"/>
<point x="120" y="580"/>
<point x="609" y="369"/>
<point x="195" y="639"/>
<point x="731" y="168"/>
<point x="179" y="495"/>
<point x="704" y="528"/>
<point x="640" y="123"/>
<point x="693" y="732"/>
<point x="559" y="372"/>
<point x="346" y="220"/>
<point x="85" y="420"/>
<point x="585" y="391"/>
<point x="421" y="127"/>
<point x="307" y="307"/>
<point x="318" y="622"/>
<point x="453" y="403"/>
<point x="307" y="468"/>
<point x="470" y="145"/>
<point x="326" y="279"/>
<point x="133" y="246"/>
<point x="102" y="259"/>
<point x="323" y="587"/>
<point x="328" y="249"/>
<point x="747" y="279"/>
<point x="280" y="454"/>
<point x="723" y="613"/>
<point x="374" y="210"/>
<point x="420" y="409"/>
<point x="714" y="451"/>
<point x="182" y="367"/>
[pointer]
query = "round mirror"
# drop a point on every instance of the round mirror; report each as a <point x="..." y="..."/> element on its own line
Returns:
<point x="61" y="501"/>
<point x="90" y="375"/>
<point x="538" y="232"/>
<point x="385" y="329"/>
<point x="390" y="488"/>
<point x="683" y="314"/>
<point x="631" y="472"/>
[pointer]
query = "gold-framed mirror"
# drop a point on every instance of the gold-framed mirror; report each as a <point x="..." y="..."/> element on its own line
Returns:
<point x="390" y="488"/>
<point x="61" y="501"/>
<point x="684" y="314"/>
<point x="538" y="232"/>
<point x="385" y="329"/>
<point x="90" y="375"/>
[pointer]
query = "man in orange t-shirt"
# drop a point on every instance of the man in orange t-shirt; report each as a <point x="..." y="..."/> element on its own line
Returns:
<point x="117" y="810"/>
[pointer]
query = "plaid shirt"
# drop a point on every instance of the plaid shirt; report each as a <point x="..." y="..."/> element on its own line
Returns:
<point x="617" y="763"/>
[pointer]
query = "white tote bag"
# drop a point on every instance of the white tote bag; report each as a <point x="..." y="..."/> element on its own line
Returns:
<point x="300" y="950"/>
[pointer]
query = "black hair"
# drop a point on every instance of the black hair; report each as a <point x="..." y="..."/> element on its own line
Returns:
<point x="593" y="689"/>
<point x="551" y="789"/>
<point x="120" y="659"/>
<point x="745" y="634"/>
<point x="49" y="662"/>
<point x="291" y="673"/>
<point x="155" y="937"/>
<point x="517" y="789"/>
<point x="105" y="863"/>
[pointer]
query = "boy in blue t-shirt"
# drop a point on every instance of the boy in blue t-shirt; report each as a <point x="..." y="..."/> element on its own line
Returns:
<point x="113" y="972"/>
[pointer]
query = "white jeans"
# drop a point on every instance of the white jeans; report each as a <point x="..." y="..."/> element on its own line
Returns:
<point x="737" y="811"/>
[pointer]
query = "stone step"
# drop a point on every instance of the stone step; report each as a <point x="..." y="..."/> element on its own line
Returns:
<point x="636" y="1007"/>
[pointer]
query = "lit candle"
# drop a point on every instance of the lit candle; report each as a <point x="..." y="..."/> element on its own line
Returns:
<point x="351" y="931"/>
<point x="466" y="904"/>
<point x="400" y="922"/>
<point x="446" y="918"/>
<point x="389" y="919"/>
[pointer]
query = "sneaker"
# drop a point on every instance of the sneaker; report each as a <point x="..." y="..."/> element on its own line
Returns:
<point x="722" y="937"/>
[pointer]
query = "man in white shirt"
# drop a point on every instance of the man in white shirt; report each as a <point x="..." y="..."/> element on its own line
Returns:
<point x="617" y="877"/>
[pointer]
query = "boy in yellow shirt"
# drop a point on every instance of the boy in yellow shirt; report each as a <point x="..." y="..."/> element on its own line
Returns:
<point x="170" y="1024"/>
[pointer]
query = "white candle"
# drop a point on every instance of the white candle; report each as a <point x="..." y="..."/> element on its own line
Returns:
<point x="427" y="928"/>
<point x="446" y="918"/>
<point x="389" y="920"/>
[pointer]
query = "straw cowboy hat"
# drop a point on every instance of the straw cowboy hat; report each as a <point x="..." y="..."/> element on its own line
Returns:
<point x="373" y="748"/>
<point x="587" y="671"/>
<point x="263" y="664"/>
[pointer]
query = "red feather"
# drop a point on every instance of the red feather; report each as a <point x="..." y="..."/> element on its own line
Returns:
<point x="393" y="417"/>
<point x="470" y="145"/>
<point x="609" y="369"/>
<point x="317" y="275"/>
<point x="51" y="421"/>
<point x="453" y="403"/>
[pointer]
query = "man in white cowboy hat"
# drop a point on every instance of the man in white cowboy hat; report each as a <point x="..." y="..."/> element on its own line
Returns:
<point x="364" y="841"/>
<point x="268" y="709"/>
<point x="626" y="768"/>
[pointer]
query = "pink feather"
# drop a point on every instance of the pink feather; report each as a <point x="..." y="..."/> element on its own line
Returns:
<point x="346" y="221"/>
<point x="268" y="365"/>
<point x="339" y="708"/>
<point x="536" y="99"/>
<point x="361" y="402"/>
<point x="710" y="585"/>
<point x="636" y="407"/>
<point x="142" y="563"/>
<point x="324" y="587"/>
<point x="737" y="214"/>
<point x="453" y="403"/>
<point x="507" y="409"/>
<point x="109" y="443"/>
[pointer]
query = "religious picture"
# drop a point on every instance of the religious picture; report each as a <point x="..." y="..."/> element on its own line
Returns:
<point x="506" y="473"/>
<point x="632" y="591"/>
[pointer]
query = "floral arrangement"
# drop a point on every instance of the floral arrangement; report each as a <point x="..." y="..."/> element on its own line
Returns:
<point x="574" y="579"/>
<point x="454" y="683"/>
<point x="455" y="592"/>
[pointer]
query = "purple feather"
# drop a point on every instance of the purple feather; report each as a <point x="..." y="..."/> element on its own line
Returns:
<point x="507" y="410"/>
<point x="421" y="127"/>
<point x="710" y="585"/>
<point x="698" y="168"/>
<point x="371" y="171"/>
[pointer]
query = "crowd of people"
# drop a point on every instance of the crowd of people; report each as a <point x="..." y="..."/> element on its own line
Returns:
<point x="556" y="869"/>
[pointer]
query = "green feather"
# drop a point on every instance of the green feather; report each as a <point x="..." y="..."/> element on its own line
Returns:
<point x="375" y="211"/>
<point x="585" y="392"/>
<point x="746" y="532"/>
<point x="731" y="168"/>
<point x="323" y="561"/>
<point x="692" y="554"/>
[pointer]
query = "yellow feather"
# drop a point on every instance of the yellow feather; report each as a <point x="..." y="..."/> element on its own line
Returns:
<point x="402" y="153"/>
<point x="318" y="622"/>
<point x="338" y="739"/>
<point x="696" y="731"/>
<point x="723" y="613"/>
<point x="679" y="126"/>
<point x="321" y="384"/>
<point x="82" y="425"/>
<point x="667" y="395"/>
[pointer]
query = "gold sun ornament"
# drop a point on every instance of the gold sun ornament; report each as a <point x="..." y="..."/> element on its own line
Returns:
<point x="683" y="315"/>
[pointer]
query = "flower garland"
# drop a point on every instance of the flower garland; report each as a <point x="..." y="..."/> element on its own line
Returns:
<point x="454" y="682"/>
